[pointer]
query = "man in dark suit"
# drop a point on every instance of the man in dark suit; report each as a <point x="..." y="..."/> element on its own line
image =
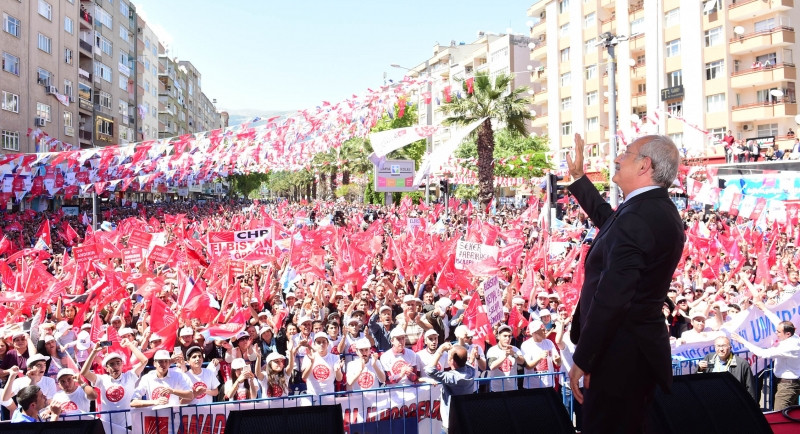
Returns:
<point x="622" y="341"/>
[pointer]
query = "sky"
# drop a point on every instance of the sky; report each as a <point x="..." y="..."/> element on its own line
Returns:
<point x="274" y="56"/>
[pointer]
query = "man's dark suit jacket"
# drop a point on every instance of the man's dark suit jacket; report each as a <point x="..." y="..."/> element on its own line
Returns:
<point x="628" y="270"/>
<point x="739" y="368"/>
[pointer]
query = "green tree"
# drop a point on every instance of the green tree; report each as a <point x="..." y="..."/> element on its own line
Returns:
<point x="524" y="156"/>
<point x="494" y="101"/>
<point x="249" y="184"/>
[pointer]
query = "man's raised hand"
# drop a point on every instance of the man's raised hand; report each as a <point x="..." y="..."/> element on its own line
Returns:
<point x="575" y="164"/>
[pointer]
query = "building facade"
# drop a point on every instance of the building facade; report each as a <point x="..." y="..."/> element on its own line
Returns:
<point x="39" y="74"/>
<point x="147" y="82"/>
<point x="687" y="69"/>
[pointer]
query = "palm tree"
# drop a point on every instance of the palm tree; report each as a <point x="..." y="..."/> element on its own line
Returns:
<point x="493" y="101"/>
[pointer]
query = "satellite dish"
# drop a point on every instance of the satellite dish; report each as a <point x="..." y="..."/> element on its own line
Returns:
<point x="533" y="113"/>
<point x="710" y="6"/>
<point x="797" y="119"/>
<point x="530" y="67"/>
<point x="632" y="62"/>
<point x="777" y="93"/>
<point x="531" y="45"/>
<point x="739" y="30"/>
<point x="531" y="92"/>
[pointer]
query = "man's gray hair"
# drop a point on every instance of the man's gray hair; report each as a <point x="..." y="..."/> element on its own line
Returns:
<point x="664" y="158"/>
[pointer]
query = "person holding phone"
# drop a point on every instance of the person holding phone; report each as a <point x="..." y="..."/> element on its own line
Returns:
<point x="242" y="385"/>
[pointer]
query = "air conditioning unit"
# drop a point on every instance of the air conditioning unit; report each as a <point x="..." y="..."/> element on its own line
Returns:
<point x="747" y="127"/>
<point x="51" y="90"/>
<point x="69" y="131"/>
<point x="39" y="122"/>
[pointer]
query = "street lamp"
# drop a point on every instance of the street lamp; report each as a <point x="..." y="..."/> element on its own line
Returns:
<point x="610" y="41"/>
<point x="428" y="122"/>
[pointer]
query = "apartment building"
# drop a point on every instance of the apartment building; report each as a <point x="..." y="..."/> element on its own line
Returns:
<point x="713" y="65"/>
<point x="39" y="49"/>
<point x="147" y="82"/>
<point x="450" y="65"/>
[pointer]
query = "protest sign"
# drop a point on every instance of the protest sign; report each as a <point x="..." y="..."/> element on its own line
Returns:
<point x="85" y="253"/>
<point x="493" y="297"/>
<point x="132" y="255"/>
<point x="469" y="252"/>
<point x="140" y="239"/>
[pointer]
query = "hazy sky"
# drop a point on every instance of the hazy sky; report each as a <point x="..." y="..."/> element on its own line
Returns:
<point x="269" y="55"/>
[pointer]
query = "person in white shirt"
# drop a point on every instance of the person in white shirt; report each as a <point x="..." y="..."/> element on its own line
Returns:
<point x="162" y="386"/>
<point x="242" y="384"/>
<point x="34" y="376"/>
<point x="400" y="362"/>
<point x="116" y="387"/>
<point x="786" y="355"/>
<point x="205" y="385"/>
<point x="365" y="372"/>
<point x="275" y="378"/>
<point x="541" y="356"/>
<point x="503" y="360"/>
<point x="475" y="355"/>
<point x="698" y="332"/>
<point x="426" y="354"/>
<point x="74" y="396"/>
<point x="320" y="367"/>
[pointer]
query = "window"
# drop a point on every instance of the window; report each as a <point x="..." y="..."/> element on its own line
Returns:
<point x="767" y="130"/>
<point x="677" y="139"/>
<point x="675" y="78"/>
<point x="45" y="43"/>
<point x="11" y="63"/>
<point x="123" y="82"/>
<point x="43" y="111"/>
<point x="44" y="77"/>
<point x="565" y="55"/>
<point x="640" y="60"/>
<point x="713" y="36"/>
<point x="765" y="95"/>
<point x="589" y="20"/>
<point x="563" y="6"/>
<point x="673" y="48"/>
<point x="10" y="140"/>
<point x="566" y="103"/>
<point x="124" y="34"/>
<point x="500" y="55"/>
<point x="104" y="99"/>
<point x="146" y="86"/>
<point x="103" y="17"/>
<point x="565" y="79"/>
<point x="102" y="71"/>
<point x="714" y="69"/>
<point x="591" y="72"/>
<point x="563" y="30"/>
<point x="641" y="88"/>
<point x="591" y="98"/>
<point x="68" y="88"/>
<point x="715" y="103"/>
<point x="104" y="44"/>
<point x="146" y="43"/>
<point x="591" y="45"/>
<point x="592" y="124"/>
<point x="675" y="107"/>
<point x="764" y="25"/>
<point x="717" y="6"/>
<point x="104" y="126"/>
<point x="10" y="102"/>
<point x="69" y="25"/>
<point x="566" y="128"/>
<point x="68" y="56"/>
<point x="45" y="10"/>
<point x="11" y="25"/>
<point x="769" y="57"/>
<point x="637" y="27"/>
<point x="672" y="17"/>
<point x="124" y="9"/>
<point x="67" y="119"/>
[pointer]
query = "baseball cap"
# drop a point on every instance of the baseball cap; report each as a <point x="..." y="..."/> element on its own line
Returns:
<point x="274" y="356"/>
<point x="431" y="332"/>
<point x="362" y="344"/>
<point x="680" y="298"/>
<point x="444" y="303"/>
<point x="263" y="329"/>
<point x="162" y="355"/>
<point x="238" y="363"/>
<point x="193" y="349"/>
<point x="518" y="300"/>
<point x="544" y="312"/>
<point x="111" y="356"/>
<point x="318" y="336"/>
<point x="409" y="298"/>
<point x="187" y="331"/>
<point x="154" y="337"/>
<point x="697" y="314"/>
<point x="397" y="331"/>
<point x="535" y="326"/>
<point x="303" y="319"/>
<point x="264" y="313"/>
<point x="241" y="334"/>
<point x="503" y="328"/>
<point x="36" y="358"/>
<point x="463" y="331"/>
<point x="384" y="307"/>
<point x="65" y="371"/>
<point x="84" y="341"/>
<point x="543" y="294"/>
<point x="125" y="331"/>
<point x="48" y="338"/>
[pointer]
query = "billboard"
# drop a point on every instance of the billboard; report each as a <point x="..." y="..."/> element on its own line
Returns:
<point x="394" y="176"/>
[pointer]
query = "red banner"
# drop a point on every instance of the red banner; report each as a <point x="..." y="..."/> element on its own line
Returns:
<point x="140" y="239"/>
<point x="162" y="254"/>
<point x="132" y="255"/>
<point x="84" y="254"/>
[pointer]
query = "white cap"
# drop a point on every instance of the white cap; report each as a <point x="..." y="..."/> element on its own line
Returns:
<point x="397" y="331"/>
<point x="116" y="318"/>
<point x="544" y="312"/>
<point x="518" y="300"/>
<point x="187" y="331"/>
<point x="125" y="331"/>
<point x="362" y="344"/>
<point x="253" y="300"/>
<point x="431" y="332"/>
<point x="241" y="334"/>
<point x="111" y="356"/>
<point x="36" y="358"/>
<point x="321" y="335"/>
<point x="238" y="363"/>
<point x="303" y="319"/>
<point x="162" y="355"/>
<point x="261" y="330"/>
<point x="154" y="337"/>
<point x="65" y="371"/>
<point x="384" y="307"/>
<point x="264" y="313"/>
<point x="84" y="341"/>
<point x="535" y="326"/>
<point x="273" y="356"/>
<point x="62" y="327"/>
<point x="463" y="331"/>
<point x="409" y="298"/>
<point x="49" y="338"/>
<point x="444" y="302"/>
<point x="697" y="314"/>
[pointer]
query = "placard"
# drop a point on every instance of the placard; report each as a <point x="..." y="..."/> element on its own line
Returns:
<point x="132" y="255"/>
<point x="468" y="252"/>
<point x="162" y="254"/>
<point x="84" y="254"/>
<point x="140" y="239"/>
<point x="493" y="298"/>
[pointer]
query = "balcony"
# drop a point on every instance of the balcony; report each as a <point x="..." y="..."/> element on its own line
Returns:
<point x="764" y="75"/>
<point x="757" y="41"/>
<point x="746" y="10"/>
<point x="540" y="50"/>
<point x="607" y="25"/>
<point x="784" y="107"/>
<point x="636" y="42"/>
<point x="540" y="97"/>
<point x="85" y="135"/>
<point x="639" y="99"/>
<point x="638" y="72"/>
<point x="636" y="7"/>
<point x="86" y="17"/>
<point x="85" y="46"/>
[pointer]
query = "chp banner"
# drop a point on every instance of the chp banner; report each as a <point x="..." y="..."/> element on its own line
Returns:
<point x="237" y="245"/>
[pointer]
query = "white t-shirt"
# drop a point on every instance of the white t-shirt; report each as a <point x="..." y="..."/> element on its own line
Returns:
<point x="47" y="384"/>
<point x="425" y="358"/>
<point x="394" y="364"/>
<point x="322" y="374"/>
<point x="505" y="369"/>
<point x="116" y="395"/>
<point x="240" y="394"/>
<point x="368" y="378"/>
<point x="71" y="403"/>
<point x="532" y="350"/>
<point x="153" y="387"/>
<point x="333" y="346"/>
<point x="274" y="391"/>
<point x="207" y="378"/>
<point x="349" y="346"/>
<point x="566" y="359"/>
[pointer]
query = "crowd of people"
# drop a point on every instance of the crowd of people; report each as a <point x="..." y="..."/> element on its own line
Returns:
<point x="359" y="300"/>
<point x="750" y="150"/>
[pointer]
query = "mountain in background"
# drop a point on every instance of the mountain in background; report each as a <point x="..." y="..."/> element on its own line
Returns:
<point x="240" y="116"/>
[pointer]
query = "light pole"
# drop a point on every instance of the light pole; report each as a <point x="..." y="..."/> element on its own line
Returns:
<point x="610" y="41"/>
<point x="428" y="122"/>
